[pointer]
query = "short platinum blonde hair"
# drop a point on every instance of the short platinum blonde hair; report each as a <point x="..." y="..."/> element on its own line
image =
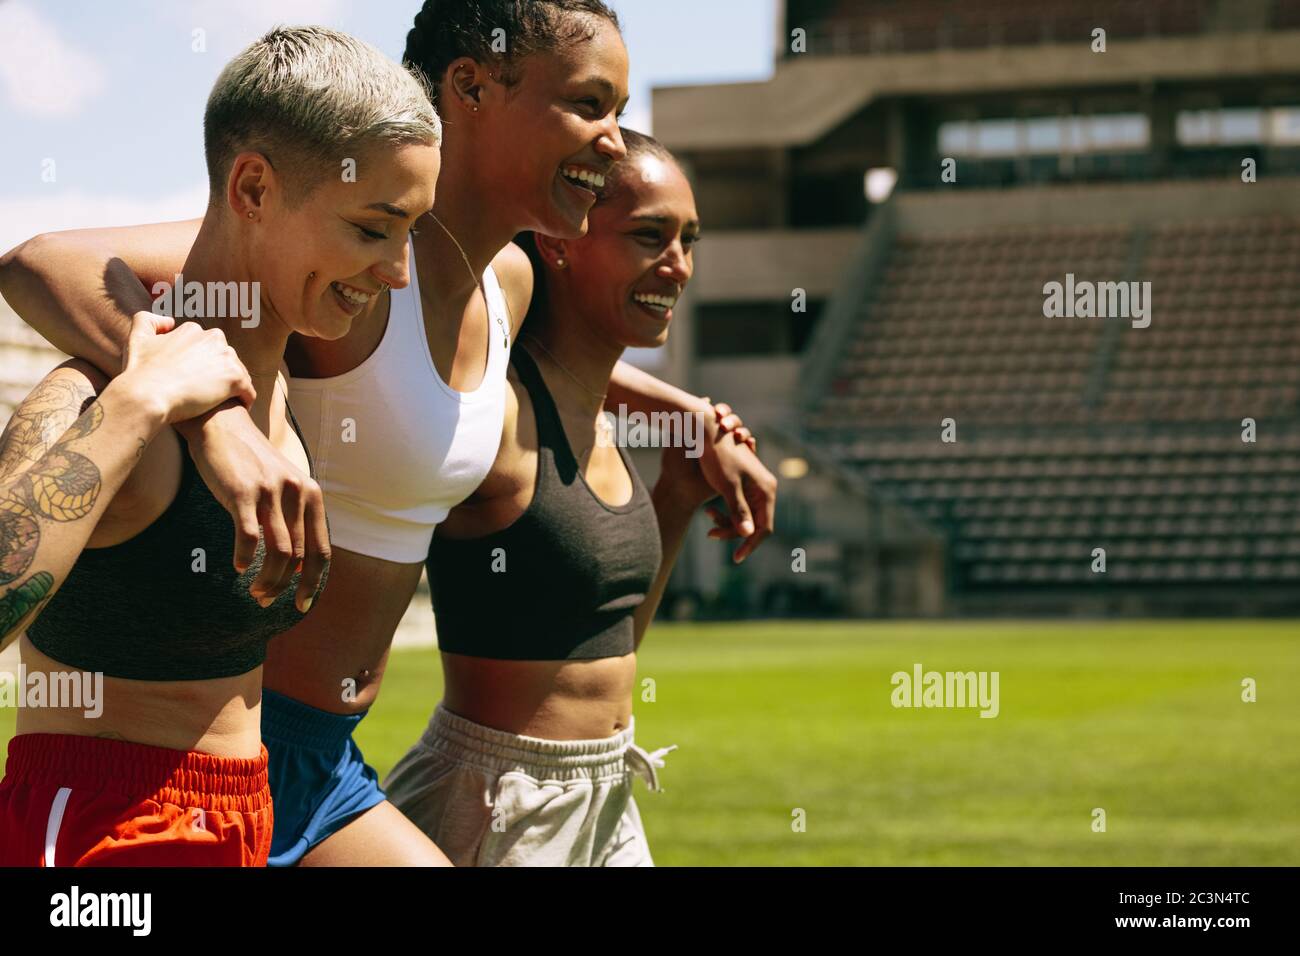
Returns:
<point x="309" y="98"/>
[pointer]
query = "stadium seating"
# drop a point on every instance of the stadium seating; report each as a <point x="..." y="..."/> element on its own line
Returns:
<point x="1081" y="433"/>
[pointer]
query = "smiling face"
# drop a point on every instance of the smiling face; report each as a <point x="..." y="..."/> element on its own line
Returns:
<point x="555" y="133"/>
<point x="626" y="274"/>
<point x="353" y="235"/>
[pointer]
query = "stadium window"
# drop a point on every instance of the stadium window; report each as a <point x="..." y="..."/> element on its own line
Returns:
<point x="998" y="138"/>
<point x="1195" y="127"/>
<point x="957" y="139"/>
<point x="1279" y="126"/>
<point x="1284" y="126"/>
<point x="1046" y="135"/>
<point x="1241" y="126"/>
<point x="1118" y="131"/>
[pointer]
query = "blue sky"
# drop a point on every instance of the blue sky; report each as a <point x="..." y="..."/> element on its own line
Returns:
<point x="113" y="92"/>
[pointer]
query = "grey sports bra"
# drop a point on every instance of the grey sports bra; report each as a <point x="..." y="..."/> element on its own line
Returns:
<point x="576" y="569"/>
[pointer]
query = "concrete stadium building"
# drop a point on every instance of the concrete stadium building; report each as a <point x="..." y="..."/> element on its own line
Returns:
<point x="913" y="175"/>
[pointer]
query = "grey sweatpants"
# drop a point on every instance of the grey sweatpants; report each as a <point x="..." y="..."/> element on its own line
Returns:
<point x="491" y="798"/>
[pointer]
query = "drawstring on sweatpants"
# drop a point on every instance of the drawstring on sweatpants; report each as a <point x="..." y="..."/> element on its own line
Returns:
<point x="645" y="765"/>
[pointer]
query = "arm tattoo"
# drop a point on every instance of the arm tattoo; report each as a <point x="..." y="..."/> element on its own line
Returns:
<point x="40" y="421"/>
<point x="46" y="480"/>
<point x="21" y="601"/>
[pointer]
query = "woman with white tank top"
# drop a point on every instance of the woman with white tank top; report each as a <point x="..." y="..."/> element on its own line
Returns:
<point x="389" y="478"/>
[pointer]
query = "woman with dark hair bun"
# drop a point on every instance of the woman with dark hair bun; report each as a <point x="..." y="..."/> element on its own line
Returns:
<point x="530" y="757"/>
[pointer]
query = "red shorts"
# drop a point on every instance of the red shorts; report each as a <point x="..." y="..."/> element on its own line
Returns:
<point x="68" y="800"/>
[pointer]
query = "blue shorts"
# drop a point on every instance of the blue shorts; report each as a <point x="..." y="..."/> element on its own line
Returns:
<point x="319" y="780"/>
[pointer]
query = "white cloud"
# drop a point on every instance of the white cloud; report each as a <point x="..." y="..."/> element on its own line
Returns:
<point x="40" y="72"/>
<point x="23" y="217"/>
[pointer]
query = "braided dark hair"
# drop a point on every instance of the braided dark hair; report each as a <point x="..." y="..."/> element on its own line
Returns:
<point x="446" y="30"/>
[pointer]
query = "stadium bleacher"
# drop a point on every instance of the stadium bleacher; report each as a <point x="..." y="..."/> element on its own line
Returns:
<point x="1079" y="433"/>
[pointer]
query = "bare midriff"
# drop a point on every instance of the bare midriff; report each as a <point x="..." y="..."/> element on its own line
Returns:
<point x="334" y="658"/>
<point x="221" y="716"/>
<point x="554" y="700"/>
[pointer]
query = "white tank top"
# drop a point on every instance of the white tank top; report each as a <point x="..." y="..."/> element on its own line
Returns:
<point x="394" y="446"/>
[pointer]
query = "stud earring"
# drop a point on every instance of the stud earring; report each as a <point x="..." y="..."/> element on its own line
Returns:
<point x="250" y="214"/>
<point x="560" y="263"/>
<point x="311" y="275"/>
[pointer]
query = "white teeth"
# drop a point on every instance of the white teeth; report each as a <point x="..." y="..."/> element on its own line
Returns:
<point x="584" y="176"/>
<point x="351" y="294"/>
<point x="659" y="301"/>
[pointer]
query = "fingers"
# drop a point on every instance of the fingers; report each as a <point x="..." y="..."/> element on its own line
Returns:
<point x="722" y="529"/>
<point x="761" y="495"/>
<point x="729" y="421"/>
<point x="741" y="519"/>
<point x="246" y="532"/>
<point x="152" y="323"/>
<point x="242" y="389"/>
<point x="277" y="552"/>
<point x="241" y="383"/>
<point x="317" y="545"/>
<point x="144" y="326"/>
<point x="293" y="512"/>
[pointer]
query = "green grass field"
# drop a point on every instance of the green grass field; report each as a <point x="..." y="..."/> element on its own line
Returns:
<point x="1142" y="719"/>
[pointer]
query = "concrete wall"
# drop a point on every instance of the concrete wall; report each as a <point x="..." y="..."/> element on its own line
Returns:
<point x="808" y="96"/>
<point x="743" y="266"/>
<point x="943" y="213"/>
<point x="762" y="388"/>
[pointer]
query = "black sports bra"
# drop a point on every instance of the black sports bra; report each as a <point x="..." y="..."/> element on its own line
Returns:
<point x="575" y="568"/>
<point x="167" y="604"/>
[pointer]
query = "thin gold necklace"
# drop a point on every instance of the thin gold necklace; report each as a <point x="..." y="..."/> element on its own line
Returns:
<point x="505" y="332"/>
<point x="603" y="425"/>
<point x="601" y="395"/>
